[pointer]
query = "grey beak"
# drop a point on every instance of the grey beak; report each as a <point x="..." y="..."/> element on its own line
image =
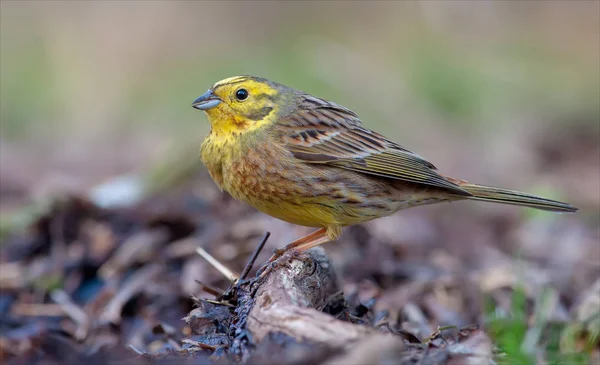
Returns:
<point x="206" y="101"/>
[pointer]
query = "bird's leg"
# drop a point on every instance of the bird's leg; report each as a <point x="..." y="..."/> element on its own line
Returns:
<point x="316" y="236"/>
<point x="302" y="244"/>
<point x="312" y="243"/>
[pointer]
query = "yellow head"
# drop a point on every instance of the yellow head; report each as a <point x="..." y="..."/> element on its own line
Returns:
<point x="242" y="103"/>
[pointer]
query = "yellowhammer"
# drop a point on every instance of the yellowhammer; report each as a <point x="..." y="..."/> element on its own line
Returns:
<point x="310" y="162"/>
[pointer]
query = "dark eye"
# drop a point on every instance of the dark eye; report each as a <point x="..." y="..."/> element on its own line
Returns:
<point x="241" y="94"/>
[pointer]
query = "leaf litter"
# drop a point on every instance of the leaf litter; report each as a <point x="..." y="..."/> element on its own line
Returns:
<point x="125" y="284"/>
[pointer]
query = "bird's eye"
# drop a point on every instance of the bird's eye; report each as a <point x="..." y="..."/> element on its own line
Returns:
<point x="241" y="94"/>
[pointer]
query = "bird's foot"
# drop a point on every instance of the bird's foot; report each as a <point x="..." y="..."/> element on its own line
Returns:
<point x="280" y="257"/>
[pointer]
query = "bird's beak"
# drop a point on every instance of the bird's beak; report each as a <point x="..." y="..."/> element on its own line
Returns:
<point x="206" y="101"/>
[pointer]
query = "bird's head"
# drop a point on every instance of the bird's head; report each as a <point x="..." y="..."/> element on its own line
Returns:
<point x="242" y="103"/>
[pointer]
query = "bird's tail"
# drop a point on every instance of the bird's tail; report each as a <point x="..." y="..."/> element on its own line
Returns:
<point x="504" y="196"/>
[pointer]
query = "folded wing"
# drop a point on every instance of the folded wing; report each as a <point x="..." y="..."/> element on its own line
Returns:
<point x="326" y="133"/>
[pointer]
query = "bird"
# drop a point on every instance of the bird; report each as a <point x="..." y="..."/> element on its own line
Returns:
<point x="311" y="162"/>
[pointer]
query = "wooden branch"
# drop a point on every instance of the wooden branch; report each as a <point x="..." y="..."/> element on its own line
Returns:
<point x="288" y="299"/>
<point x="285" y="301"/>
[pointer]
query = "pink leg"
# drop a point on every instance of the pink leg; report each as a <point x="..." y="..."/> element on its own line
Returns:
<point x="304" y="243"/>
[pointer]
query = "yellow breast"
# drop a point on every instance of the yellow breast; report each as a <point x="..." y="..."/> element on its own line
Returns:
<point x="266" y="179"/>
<point x="266" y="176"/>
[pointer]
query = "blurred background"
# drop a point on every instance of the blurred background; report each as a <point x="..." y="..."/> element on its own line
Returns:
<point x="95" y="100"/>
<point x="497" y="92"/>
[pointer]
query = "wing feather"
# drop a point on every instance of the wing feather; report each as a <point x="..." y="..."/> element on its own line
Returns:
<point x="326" y="133"/>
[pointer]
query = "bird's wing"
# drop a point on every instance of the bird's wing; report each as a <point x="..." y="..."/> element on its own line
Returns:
<point x="323" y="132"/>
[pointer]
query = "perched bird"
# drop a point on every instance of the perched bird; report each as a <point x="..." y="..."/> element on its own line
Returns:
<point x="310" y="162"/>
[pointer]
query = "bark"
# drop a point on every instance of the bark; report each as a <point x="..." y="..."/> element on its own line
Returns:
<point x="291" y="298"/>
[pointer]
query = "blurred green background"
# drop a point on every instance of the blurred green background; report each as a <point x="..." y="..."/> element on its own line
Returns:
<point x="503" y="92"/>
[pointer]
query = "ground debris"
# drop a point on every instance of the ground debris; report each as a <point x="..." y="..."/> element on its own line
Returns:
<point x="126" y="285"/>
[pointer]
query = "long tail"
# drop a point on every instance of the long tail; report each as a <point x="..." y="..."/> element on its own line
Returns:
<point x="504" y="196"/>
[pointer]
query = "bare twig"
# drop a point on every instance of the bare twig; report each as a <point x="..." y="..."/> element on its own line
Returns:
<point x="228" y="274"/>
<point x="112" y="311"/>
<point x="252" y="259"/>
<point x="217" y="302"/>
<point x="209" y="289"/>
<point x="74" y="312"/>
<point x="184" y="247"/>
<point x="136" y="350"/>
